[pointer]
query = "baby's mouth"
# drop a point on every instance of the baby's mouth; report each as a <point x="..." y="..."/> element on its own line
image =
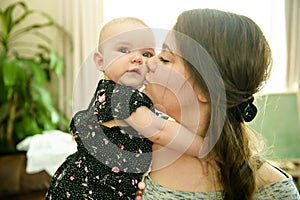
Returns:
<point x="136" y="70"/>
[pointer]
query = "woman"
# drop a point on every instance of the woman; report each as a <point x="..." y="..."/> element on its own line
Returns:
<point x="225" y="74"/>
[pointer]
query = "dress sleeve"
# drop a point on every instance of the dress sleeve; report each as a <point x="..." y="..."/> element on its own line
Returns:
<point x="112" y="100"/>
<point x="125" y="100"/>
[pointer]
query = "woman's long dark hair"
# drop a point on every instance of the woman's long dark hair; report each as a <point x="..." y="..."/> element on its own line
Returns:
<point x="243" y="58"/>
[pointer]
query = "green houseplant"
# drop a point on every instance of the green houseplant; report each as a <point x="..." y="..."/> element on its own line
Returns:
<point x="26" y="67"/>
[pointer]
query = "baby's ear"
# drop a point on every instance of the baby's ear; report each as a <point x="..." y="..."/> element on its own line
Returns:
<point x="202" y="97"/>
<point x="98" y="59"/>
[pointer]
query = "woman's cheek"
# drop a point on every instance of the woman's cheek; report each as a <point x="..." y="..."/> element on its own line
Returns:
<point x="154" y="92"/>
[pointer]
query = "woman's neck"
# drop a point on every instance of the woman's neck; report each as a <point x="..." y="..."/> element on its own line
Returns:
<point x="188" y="174"/>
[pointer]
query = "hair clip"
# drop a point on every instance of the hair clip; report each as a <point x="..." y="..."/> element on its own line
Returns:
<point x="249" y="112"/>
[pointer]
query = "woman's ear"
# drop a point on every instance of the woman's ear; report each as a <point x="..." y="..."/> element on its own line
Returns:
<point x="98" y="59"/>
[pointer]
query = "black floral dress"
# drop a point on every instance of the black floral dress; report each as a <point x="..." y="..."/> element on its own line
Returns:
<point x="109" y="162"/>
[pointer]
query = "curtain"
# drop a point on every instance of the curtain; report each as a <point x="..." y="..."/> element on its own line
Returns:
<point x="293" y="47"/>
<point x="82" y="19"/>
<point x="292" y="8"/>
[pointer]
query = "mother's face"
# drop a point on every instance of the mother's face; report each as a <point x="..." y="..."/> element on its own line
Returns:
<point x="170" y="86"/>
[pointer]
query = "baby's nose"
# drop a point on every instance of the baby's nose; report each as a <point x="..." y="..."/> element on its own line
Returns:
<point x="137" y="59"/>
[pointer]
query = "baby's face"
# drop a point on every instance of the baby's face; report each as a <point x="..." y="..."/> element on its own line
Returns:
<point x="126" y="52"/>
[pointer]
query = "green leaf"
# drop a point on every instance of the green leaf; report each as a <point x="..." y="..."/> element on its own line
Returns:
<point x="43" y="36"/>
<point x="46" y="109"/>
<point x="10" y="92"/>
<point x="42" y="96"/>
<point x="22" y="17"/>
<point x="48" y="125"/>
<point x="7" y="17"/>
<point x="28" y="28"/>
<point x="4" y="26"/>
<point x="38" y="74"/>
<point x="56" y="63"/>
<point x="24" y="80"/>
<point x="60" y="28"/>
<point x="6" y="20"/>
<point x="10" y="73"/>
<point x="54" y="116"/>
<point x="14" y="77"/>
<point x="27" y="126"/>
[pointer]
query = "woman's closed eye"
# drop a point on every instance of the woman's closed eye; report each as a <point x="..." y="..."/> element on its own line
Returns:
<point x="163" y="60"/>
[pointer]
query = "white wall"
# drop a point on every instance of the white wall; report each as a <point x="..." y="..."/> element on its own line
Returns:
<point x="268" y="14"/>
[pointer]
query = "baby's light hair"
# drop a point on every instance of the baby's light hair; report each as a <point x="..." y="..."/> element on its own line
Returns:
<point x="106" y="26"/>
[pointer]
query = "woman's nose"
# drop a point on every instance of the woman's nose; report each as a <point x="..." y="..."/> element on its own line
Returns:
<point x="152" y="64"/>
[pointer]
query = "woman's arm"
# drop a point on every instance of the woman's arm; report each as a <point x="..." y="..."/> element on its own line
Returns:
<point x="164" y="132"/>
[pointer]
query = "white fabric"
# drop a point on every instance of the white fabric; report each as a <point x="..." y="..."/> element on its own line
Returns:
<point x="47" y="151"/>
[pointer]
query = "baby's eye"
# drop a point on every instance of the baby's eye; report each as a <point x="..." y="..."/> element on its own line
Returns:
<point x="124" y="50"/>
<point x="163" y="60"/>
<point x="148" y="54"/>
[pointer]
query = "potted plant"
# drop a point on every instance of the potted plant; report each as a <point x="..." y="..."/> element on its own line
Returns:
<point x="26" y="67"/>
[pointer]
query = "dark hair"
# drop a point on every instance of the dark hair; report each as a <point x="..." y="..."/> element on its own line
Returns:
<point x="243" y="58"/>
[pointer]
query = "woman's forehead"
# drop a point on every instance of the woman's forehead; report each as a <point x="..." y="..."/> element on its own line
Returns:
<point x="170" y="43"/>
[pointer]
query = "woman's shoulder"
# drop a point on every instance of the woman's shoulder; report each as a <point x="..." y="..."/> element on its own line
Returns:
<point x="268" y="174"/>
<point x="276" y="183"/>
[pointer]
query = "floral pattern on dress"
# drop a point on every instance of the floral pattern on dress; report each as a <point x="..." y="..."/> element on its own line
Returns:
<point x="109" y="162"/>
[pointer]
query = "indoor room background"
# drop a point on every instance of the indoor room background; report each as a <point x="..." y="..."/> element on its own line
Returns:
<point x="83" y="19"/>
<point x="278" y="102"/>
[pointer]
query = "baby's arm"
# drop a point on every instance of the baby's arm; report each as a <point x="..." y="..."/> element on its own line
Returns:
<point x="135" y="107"/>
<point x="165" y="132"/>
<point x="170" y="134"/>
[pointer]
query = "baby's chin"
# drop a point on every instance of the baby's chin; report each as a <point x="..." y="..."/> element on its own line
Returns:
<point x="135" y="83"/>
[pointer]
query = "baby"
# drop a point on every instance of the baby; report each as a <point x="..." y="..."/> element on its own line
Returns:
<point x="112" y="156"/>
